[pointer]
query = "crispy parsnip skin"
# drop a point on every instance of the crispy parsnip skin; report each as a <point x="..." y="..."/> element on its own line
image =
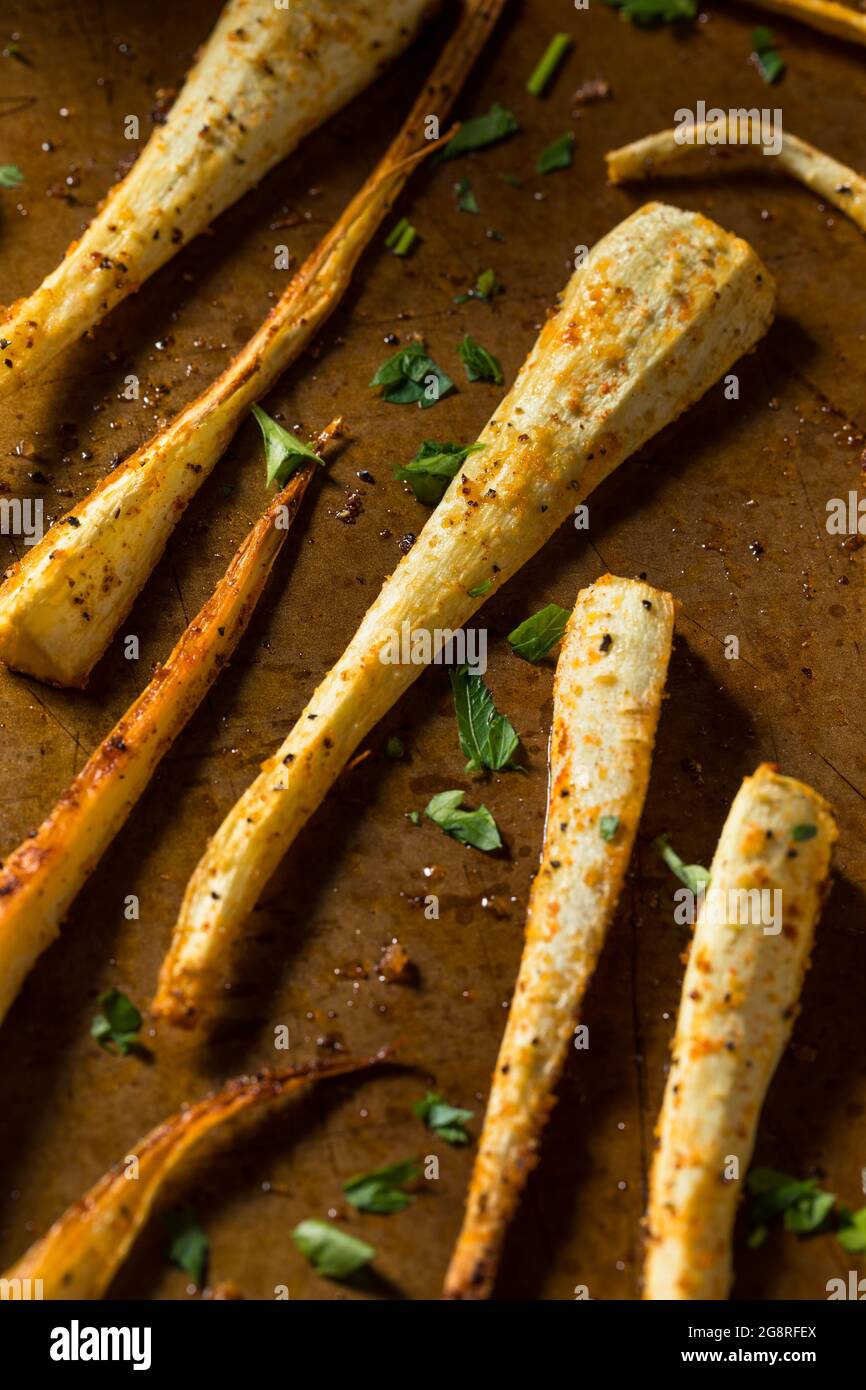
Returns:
<point x="832" y="181"/>
<point x="740" y="997"/>
<point x="267" y="76"/>
<point x="841" y="21"/>
<point x="63" y="602"/>
<point x="665" y="303"/>
<point x="607" y="695"/>
<point x="82" y="1252"/>
<point x="39" y="879"/>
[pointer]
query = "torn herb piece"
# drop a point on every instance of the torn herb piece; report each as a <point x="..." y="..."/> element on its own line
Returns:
<point x="480" y="364"/>
<point x="770" y="63"/>
<point x="430" y="471"/>
<point x="189" y="1248"/>
<point x="533" y="638"/>
<point x="411" y="376"/>
<point x="557" y="155"/>
<point x="487" y="738"/>
<point x="382" y="1191"/>
<point x="804" y="832"/>
<point x="802" y="1204"/>
<point x="401" y="237"/>
<point x="486" y="286"/>
<point x="283" y="452"/>
<point x="480" y="589"/>
<point x="466" y="200"/>
<point x="332" y="1252"/>
<point x="852" y="1230"/>
<point x="607" y="827"/>
<point x="648" y="12"/>
<point x="694" y="876"/>
<point x="119" y="1023"/>
<point x="479" y="132"/>
<point x="10" y="176"/>
<point x="445" y="1120"/>
<point x="548" y="63"/>
<point x="475" y="828"/>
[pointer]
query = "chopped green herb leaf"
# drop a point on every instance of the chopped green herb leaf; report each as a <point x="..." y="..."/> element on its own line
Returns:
<point x="190" y="1247"/>
<point x="694" y="876"/>
<point x="486" y="286"/>
<point x="480" y="589"/>
<point x="475" y="828"/>
<point x="480" y="364"/>
<point x="401" y="237"/>
<point x="608" y="826"/>
<point x="769" y="63"/>
<point x="283" y="452"/>
<point x="852" y="1230"/>
<point x="446" y="1121"/>
<point x="547" y="65"/>
<point x="415" y="817"/>
<point x="394" y="747"/>
<point x="802" y="1204"/>
<point x="480" y="131"/>
<point x="332" y="1252"/>
<point x="512" y="180"/>
<point x="804" y="832"/>
<point x="533" y="638"/>
<point x="557" y="155"/>
<point x="466" y="199"/>
<point x="382" y="1191"/>
<point x="10" y="176"/>
<point x="647" y="12"/>
<point x="430" y="471"/>
<point x="487" y="738"/>
<point x="412" y="376"/>
<point x="118" y="1023"/>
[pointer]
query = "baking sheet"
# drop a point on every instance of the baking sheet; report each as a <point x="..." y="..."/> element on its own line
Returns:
<point x="727" y="510"/>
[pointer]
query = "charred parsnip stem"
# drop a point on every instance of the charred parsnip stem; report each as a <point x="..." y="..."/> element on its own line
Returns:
<point x="267" y="76"/>
<point x="62" y="604"/>
<point x="39" y="880"/>
<point x="607" y="696"/>
<point x="841" y="21"/>
<point x="665" y="303"/>
<point x="740" y="997"/>
<point x="82" y="1252"/>
<point x="658" y="153"/>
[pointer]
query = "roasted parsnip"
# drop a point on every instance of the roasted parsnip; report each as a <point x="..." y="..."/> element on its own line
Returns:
<point x="740" y="996"/>
<point x="607" y="695"/>
<point x="841" y="21"/>
<point x="39" y="879"/>
<point x="824" y="175"/>
<point x="664" y="304"/>
<point x="82" y="1252"/>
<point x="61" y="605"/>
<point x="268" y="75"/>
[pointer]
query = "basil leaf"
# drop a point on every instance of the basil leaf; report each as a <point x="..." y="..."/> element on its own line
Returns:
<point x="331" y="1251"/>
<point x="466" y="199"/>
<point x="487" y="738"/>
<point x="445" y="1120"/>
<point x="475" y="828"/>
<point x="533" y="638"/>
<point x="381" y="1191"/>
<point x="852" y="1232"/>
<point x="190" y="1247"/>
<point x="480" y="364"/>
<point x="412" y="376"/>
<point x="557" y="155"/>
<point x="283" y="452"/>
<point x="480" y="131"/>
<point x="10" y="176"/>
<point x="118" y="1023"/>
<point x="804" y="832"/>
<point x="430" y="471"/>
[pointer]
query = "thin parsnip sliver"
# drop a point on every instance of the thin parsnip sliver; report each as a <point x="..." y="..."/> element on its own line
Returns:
<point x="83" y="1250"/>
<point x="40" y="879"/>
<point x="739" y="1000"/>
<point x="841" y="21"/>
<point x="825" y="176"/>
<point x="663" y="306"/>
<point x="62" y="603"/>
<point x="267" y="76"/>
<point x="607" y="695"/>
